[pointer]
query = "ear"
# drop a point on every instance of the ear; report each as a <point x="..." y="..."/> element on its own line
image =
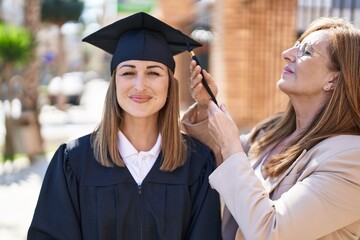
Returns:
<point x="330" y="85"/>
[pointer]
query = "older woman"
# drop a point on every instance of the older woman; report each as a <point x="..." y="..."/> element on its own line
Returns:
<point x="297" y="174"/>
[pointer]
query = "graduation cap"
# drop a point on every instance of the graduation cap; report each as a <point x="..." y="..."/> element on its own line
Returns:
<point x="143" y="37"/>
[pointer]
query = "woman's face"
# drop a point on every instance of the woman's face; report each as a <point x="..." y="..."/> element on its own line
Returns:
<point x="141" y="87"/>
<point x="307" y="72"/>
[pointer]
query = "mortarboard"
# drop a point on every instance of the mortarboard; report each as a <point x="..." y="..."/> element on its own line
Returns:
<point x="141" y="37"/>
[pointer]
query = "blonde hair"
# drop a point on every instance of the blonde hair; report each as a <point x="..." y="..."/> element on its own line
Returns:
<point x="340" y="115"/>
<point x="105" y="137"/>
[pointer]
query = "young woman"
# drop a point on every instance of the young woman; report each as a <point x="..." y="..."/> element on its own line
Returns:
<point x="136" y="176"/>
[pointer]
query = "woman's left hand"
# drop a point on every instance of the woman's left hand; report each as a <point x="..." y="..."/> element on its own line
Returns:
<point x="223" y="130"/>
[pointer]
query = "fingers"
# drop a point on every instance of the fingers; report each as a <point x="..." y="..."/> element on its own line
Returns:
<point x="192" y="65"/>
<point x="198" y="91"/>
<point x="196" y="80"/>
<point x="196" y="77"/>
<point x="225" y="111"/>
<point x="212" y="108"/>
<point x="223" y="108"/>
<point x="194" y="69"/>
<point x="208" y="77"/>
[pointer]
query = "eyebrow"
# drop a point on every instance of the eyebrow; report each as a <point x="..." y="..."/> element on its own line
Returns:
<point x="155" y="66"/>
<point x="127" y="65"/>
<point x="148" y="67"/>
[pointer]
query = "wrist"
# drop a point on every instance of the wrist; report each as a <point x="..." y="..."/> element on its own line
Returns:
<point x="201" y="113"/>
<point x="226" y="152"/>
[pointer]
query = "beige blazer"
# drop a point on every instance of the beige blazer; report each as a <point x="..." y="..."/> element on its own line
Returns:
<point x="318" y="197"/>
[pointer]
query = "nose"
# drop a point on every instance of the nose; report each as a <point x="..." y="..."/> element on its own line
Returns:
<point x="140" y="82"/>
<point x="290" y="54"/>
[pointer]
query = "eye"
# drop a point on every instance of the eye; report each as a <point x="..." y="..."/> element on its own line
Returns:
<point x="127" y="73"/>
<point x="305" y="49"/>
<point x="153" y="73"/>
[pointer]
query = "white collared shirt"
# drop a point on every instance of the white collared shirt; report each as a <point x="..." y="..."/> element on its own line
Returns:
<point x="258" y="171"/>
<point x="138" y="163"/>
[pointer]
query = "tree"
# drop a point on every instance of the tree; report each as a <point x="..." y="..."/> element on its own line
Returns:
<point x="59" y="12"/>
<point x="31" y="77"/>
<point x="16" y="45"/>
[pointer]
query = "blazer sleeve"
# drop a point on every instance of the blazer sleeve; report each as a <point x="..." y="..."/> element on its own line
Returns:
<point x="199" y="130"/>
<point x="56" y="214"/>
<point x="320" y="203"/>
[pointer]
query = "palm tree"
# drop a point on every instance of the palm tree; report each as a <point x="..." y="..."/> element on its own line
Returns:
<point x="31" y="76"/>
<point x="59" y="12"/>
<point x="16" y="45"/>
<point x="21" y="43"/>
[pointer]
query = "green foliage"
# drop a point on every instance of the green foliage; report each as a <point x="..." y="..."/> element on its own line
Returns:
<point x="61" y="11"/>
<point x="16" y="44"/>
<point x="11" y="157"/>
<point x="132" y="6"/>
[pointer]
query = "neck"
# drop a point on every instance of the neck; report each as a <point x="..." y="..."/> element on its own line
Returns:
<point x="306" y="110"/>
<point x="142" y="133"/>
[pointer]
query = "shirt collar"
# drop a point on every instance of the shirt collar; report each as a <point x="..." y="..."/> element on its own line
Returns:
<point x="126" y="149"/>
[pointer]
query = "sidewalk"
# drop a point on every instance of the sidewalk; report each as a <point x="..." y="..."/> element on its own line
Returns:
<point x="19" y="189"/>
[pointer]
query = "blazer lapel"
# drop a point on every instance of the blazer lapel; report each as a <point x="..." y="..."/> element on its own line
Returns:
<point x="256" y="161"/>
<point x="271" y="183"/>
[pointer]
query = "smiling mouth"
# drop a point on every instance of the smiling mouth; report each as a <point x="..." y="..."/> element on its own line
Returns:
<point x="140" y="98"/>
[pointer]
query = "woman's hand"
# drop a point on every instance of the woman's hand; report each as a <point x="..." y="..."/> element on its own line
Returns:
<point x="223" y="130"/>
<point x="197" y="89"/>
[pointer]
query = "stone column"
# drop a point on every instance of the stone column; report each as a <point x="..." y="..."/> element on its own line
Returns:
<point x="246" y="58"/>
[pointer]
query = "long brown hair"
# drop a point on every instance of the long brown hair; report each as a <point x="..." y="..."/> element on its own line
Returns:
<point x="105" y="137"/>
<point x="340" y="115"/>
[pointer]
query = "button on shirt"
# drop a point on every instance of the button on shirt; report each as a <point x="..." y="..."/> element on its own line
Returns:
<point x="138" y="163"/>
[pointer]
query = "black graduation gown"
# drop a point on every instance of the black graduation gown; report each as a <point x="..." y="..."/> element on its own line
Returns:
<point x="80" y="199"/>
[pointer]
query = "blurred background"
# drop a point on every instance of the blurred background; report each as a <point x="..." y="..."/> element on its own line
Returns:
<point x="52" y="85"/>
